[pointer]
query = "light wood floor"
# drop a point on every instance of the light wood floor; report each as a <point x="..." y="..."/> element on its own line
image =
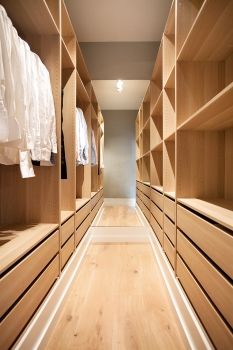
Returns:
<point x="119" y="216"/>
<point x="118" y="302"/>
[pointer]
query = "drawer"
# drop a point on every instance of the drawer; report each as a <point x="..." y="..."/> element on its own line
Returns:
<point x="169" y="208"/>
<point x="212" y="321"/>
<point x="82" y="214"/>
<point x="157" y="213"/>
<point x="146" y="190"/>
<point x="169" y="250"/>
<point x="157" y="198"/>
<point x="82" y="229"/>
<point x="139" y="186"/>
<point x="17" y="318"/>
<point x="67" y="251"/>
<point x="157" y="229"/>
<point x="146" y="200"/>
<point x="94" y="200"/>
<point x="67" y="229"/>
<point x="16" y="281"/>
<point x="211" y="280"/>
<point x="169" y="229"/>
<point x="215" y="242"/>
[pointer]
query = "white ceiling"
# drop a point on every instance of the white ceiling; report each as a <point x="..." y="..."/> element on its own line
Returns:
<point x="118" y="20"/>
<point x="129" y="99"/>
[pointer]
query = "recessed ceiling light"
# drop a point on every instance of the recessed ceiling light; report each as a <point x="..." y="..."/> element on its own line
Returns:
<point x="119" y="85"/>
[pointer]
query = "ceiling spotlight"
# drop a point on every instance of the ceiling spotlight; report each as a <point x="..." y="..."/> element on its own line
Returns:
<point x="119" y="85"/>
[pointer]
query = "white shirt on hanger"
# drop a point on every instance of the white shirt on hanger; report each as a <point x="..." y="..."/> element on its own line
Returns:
<point x="82" y="145"/>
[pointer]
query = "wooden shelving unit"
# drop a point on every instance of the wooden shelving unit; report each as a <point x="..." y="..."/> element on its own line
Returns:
<point x="191" y="156"/>
<point x="44" y="218"/>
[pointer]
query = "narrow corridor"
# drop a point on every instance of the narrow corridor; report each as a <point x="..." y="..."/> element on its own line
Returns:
<point x="119" y="299"/>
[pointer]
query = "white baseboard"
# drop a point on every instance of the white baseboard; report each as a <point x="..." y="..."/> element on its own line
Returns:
<point x="194" y="334"/>
<point x="37" y="333"/>
<point x="120" y="201"/>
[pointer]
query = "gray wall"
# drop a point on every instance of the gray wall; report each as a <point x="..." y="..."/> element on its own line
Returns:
<point x="120" y="60"/>
<point x="119" y="154"/>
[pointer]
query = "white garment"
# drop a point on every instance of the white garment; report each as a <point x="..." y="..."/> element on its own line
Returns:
<point x="82" y="145"/>
<point x="94" y="160"/>
<point x="26" y="167"/>
<point x="102" y="147"/>
<point x="27" y="113"/>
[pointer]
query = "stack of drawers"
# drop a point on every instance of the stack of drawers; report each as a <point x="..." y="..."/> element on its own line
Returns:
<point x="205" y="270"/>
<point x="169" y="229"/>
<point x="156" y="219"/>
<point x="143" y="198"/>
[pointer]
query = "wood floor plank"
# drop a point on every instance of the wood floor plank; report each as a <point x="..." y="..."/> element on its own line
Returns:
<point x="119" y="302"/>
<point x="119" y="215"/>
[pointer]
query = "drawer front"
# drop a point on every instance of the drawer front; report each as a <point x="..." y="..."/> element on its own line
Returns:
<point x="146" y="190"/>
<point x="169" y="229"/>
<point x="157" y="229"/>
<point x="157" y="213"/>
<point x="157" y="198"/>
<point x="169" y="250"/>
<point x="169" y="208"/>
<point x="146" y="200"/>
<point x="82" y="229"/>
<point x="67" y="229"/>
<point x="216" y="286"/>
<point x="140" y="186"/>
<point x="82" y="214"/>
<point x="94" y="200"/>
<point x="67" y="251"/>
<point x="15" y="282"/>
<point x="216" y="243"/>
<point x="14" y="322"/>
<point x="212" y="321"/>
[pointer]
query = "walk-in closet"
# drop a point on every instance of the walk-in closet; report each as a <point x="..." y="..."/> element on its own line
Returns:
<point x="116" y="174"/>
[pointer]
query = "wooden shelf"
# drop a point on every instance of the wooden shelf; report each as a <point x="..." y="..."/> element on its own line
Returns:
<point x="156" y="166"/>
<point x="18" y="240"/>
<point x="65" y="215"/>
<point x="93" y="113"/>
<point x="169" y="115"/>
<point x="81" y="66"/>
<point x="157" y="70"/>
<point x="158" y="147"/>
<point x="80" y="202"/>
<point x="170" y="137"/>
<point x="157" y="109"/>
<point x="30" y="17"/>
<point x="214" y="115"/>
<point x="158" y="188"/>
<point x="147" y="154"/>
<point x="170" y="83"/>
<point x="67" y="62"/>
<point x="147" y="125"/>
<point x="82" y="95"/>
<point x="170" y="194"/>
<point x="213" y="24"/>
<point x="218" y="210"/>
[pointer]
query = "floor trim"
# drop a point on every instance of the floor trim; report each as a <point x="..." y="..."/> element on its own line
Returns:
<point x="38" y="331"/>
<point x="120" y="234"/>
<point x="195" y="335"/>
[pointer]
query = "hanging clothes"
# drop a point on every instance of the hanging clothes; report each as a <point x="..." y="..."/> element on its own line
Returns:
<point x="94" y="160"/>
<point x="27" y="112"/>
<point x="63" y="154"/>
<point x="101" y="165"/>
<point x="82" y="145"/>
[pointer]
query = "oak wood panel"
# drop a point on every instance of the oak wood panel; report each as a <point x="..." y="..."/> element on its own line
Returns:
<point x="169" y="250"/>
<point x="14" y="322"/>
<point x="67" y="251"/>
<point x="213" y="323"/>
<point x="15" y="282"/>
<point x="145" y="200"/>
<point x="157" y="198"/>
<point x="82" y="214"/>
<point x="169" y="208"/>
<point x="215" y="242"/>
<point x="211" y="280"/>
<point x="123" y="304"/>
<point x="119" y="215"/>
<point x="67" y="229"/>
<point x="170" y="229"/>
<point x="157" y="229"/>
<point x="157" y="213"/>
<point x="145" y="189"/>
<point x="82" y="229"/>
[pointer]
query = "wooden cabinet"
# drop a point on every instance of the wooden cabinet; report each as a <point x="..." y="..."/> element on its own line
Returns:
<point x="67" y="229"/>
<point x="157" y="213"/>
<point x="67" y="251"/>
<point x="82" y="214"/>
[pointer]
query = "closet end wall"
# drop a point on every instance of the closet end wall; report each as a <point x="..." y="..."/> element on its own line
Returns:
<point x="43" y="219"/>
<point x="188" y="200"/>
